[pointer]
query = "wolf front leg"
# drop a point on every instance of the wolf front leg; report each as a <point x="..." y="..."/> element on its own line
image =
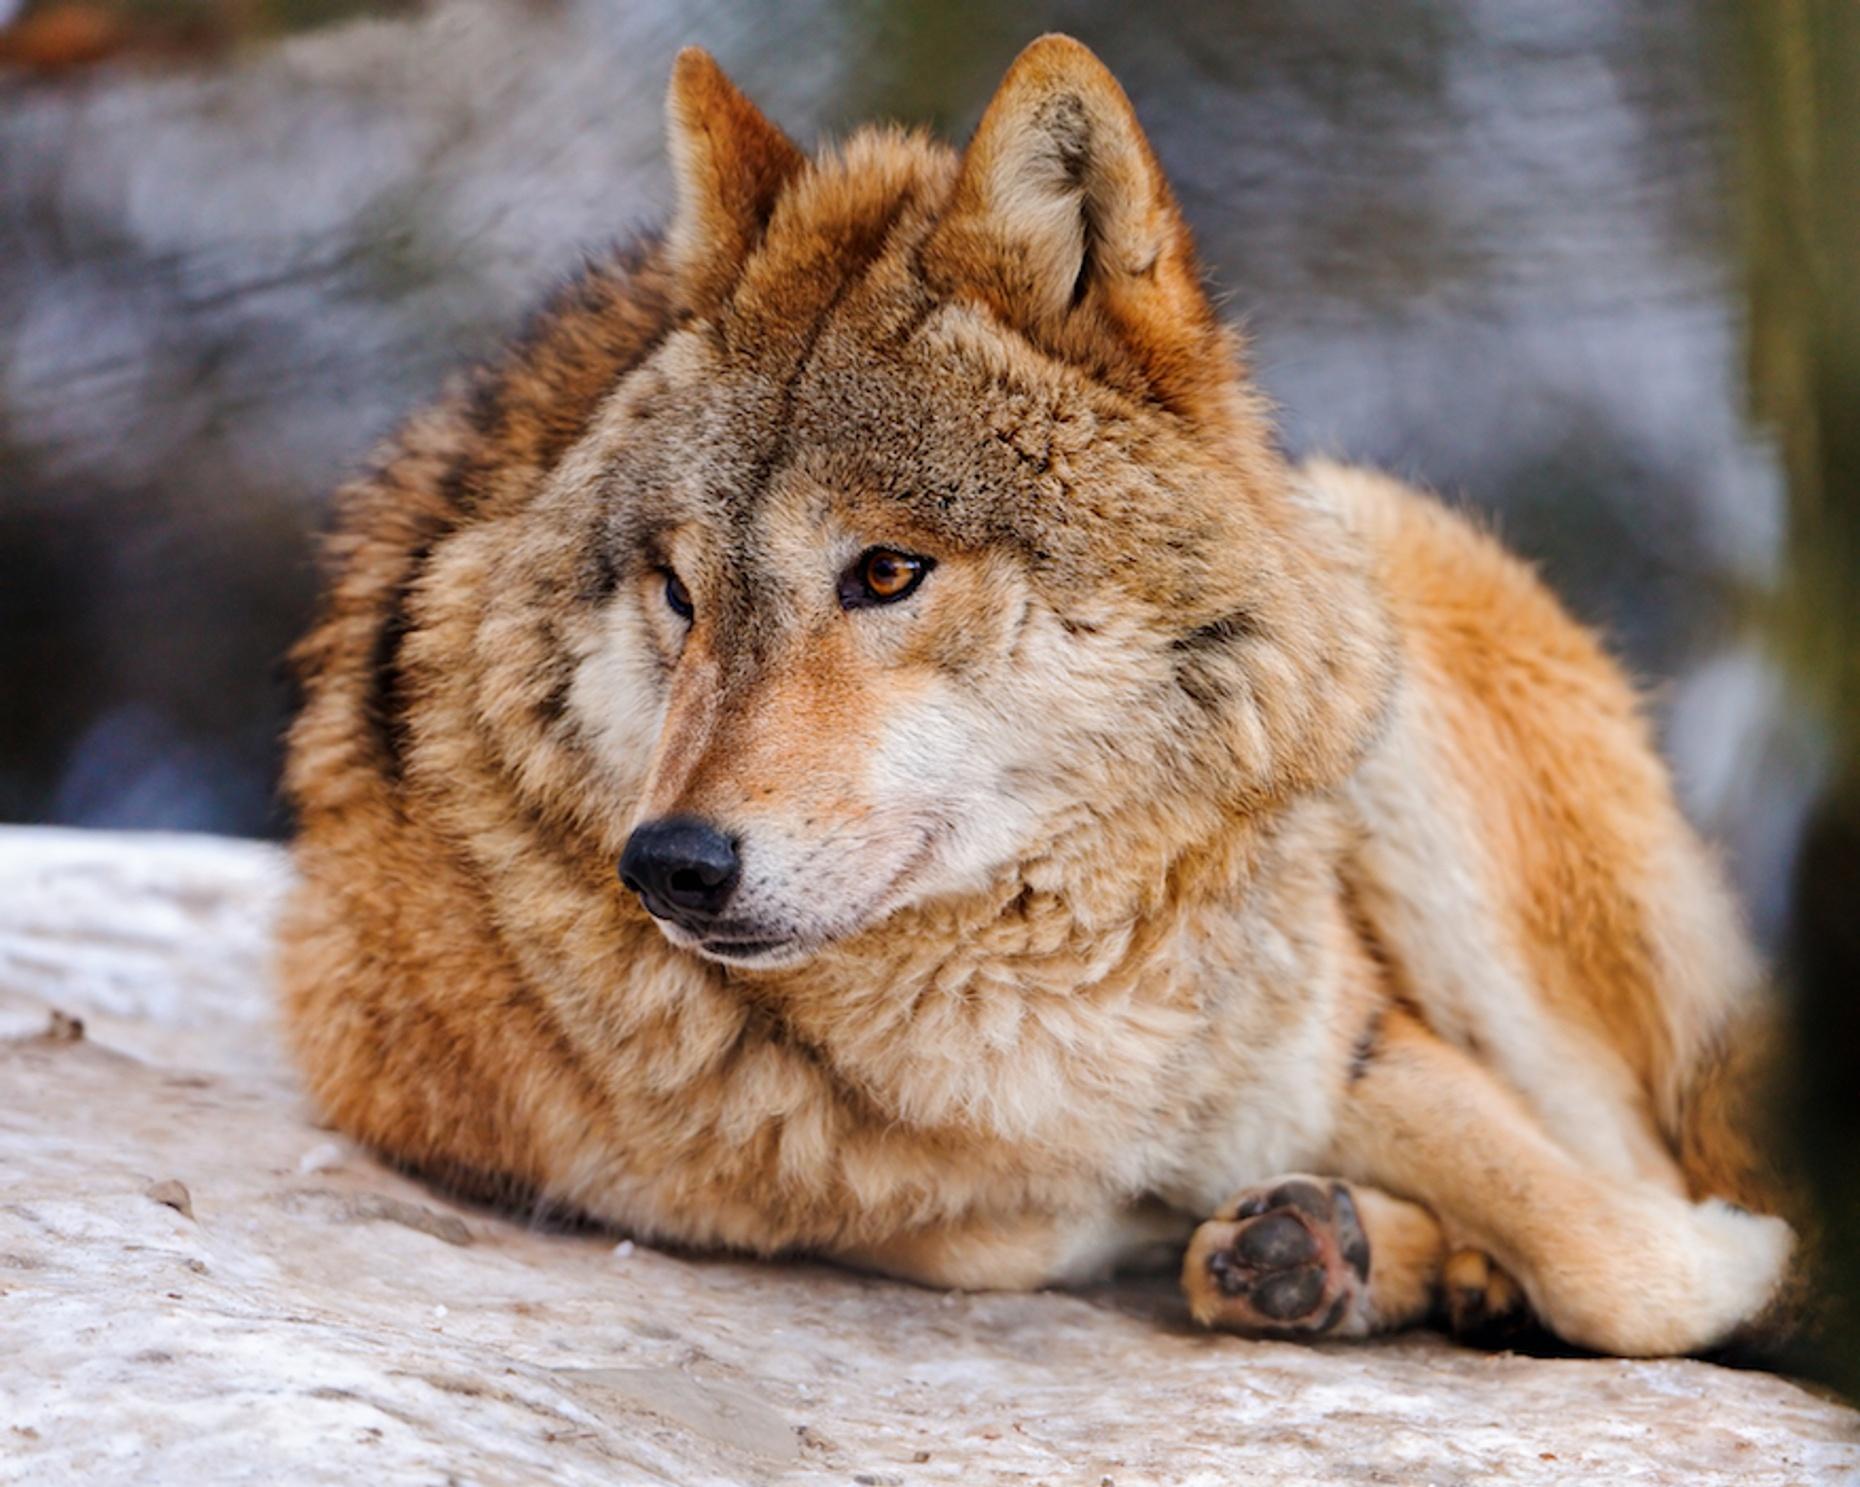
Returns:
<point x="1620" y="1266"/>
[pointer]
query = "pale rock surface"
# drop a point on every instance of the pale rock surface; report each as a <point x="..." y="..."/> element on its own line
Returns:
<point x="198" y="1285"/>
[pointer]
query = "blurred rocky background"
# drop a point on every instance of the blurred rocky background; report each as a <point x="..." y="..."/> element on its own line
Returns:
<point x="1492" y="245"/>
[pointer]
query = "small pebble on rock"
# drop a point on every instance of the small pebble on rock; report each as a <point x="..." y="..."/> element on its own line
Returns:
<point x="173" y="1194"/>
<point x="321" y="1158"/>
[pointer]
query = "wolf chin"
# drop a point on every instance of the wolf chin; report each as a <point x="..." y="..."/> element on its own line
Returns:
<point x="851" y="739"/>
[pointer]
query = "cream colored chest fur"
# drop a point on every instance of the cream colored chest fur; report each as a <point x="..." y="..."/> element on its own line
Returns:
<point x="1047" y="1064"/>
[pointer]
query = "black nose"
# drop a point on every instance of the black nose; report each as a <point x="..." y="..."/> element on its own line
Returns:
<point x="680" y="867"/>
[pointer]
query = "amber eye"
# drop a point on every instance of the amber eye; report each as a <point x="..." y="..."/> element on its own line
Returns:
<point x="882" y="576"/>
<point x="677" y="596"/>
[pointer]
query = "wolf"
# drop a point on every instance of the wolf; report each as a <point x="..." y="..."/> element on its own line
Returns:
<point x="851" y="739"/>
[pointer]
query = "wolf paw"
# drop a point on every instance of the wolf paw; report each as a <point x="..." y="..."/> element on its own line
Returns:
<point x="1484" y="1305"/>
<point x="1286" y="1260"/>
<point x="1700" y="1272"/>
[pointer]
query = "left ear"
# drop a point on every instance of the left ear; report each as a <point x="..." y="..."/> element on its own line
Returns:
<point x="1060" y="212"/>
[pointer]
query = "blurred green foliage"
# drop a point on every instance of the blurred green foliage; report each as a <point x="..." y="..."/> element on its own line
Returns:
<point x="1802" y="215"/>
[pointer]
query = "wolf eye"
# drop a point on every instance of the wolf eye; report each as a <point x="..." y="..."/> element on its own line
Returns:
<point x="882" y="576"/>
<point x="677" y="596"/>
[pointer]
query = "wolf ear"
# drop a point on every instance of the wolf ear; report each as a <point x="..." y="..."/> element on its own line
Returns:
<point x="1060" y="211"/>
<point x="730" y="164"/>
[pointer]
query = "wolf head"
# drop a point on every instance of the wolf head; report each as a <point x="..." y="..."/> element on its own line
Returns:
<point x="938" y="529"/>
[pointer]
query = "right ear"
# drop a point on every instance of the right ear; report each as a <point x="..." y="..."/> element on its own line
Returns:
<point x="1061" y="218"/>
<point x="730" y="164"/>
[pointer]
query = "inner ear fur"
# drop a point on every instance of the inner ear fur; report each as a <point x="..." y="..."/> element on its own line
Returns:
<point x="1063" y="223"/>
<point x="730" y="164"/>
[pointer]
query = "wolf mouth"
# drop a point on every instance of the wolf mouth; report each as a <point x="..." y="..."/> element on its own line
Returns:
<point x="721" y="939"/>
<point x="743" y="949"/>
<point x="732" y="941"/>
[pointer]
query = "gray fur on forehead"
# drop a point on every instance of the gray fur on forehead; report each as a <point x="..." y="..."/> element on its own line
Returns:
<point x="969" y="453"/>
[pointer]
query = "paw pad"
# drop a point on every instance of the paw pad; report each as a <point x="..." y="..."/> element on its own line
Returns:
<point x="1291" y="1261"/>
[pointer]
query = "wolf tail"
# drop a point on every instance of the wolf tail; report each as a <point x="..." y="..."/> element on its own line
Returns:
<point x="1721" y="1114"/>
<point x="1724" y="1119"/>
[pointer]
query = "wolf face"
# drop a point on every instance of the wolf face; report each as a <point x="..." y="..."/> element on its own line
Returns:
<point x="939" y="527"/>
